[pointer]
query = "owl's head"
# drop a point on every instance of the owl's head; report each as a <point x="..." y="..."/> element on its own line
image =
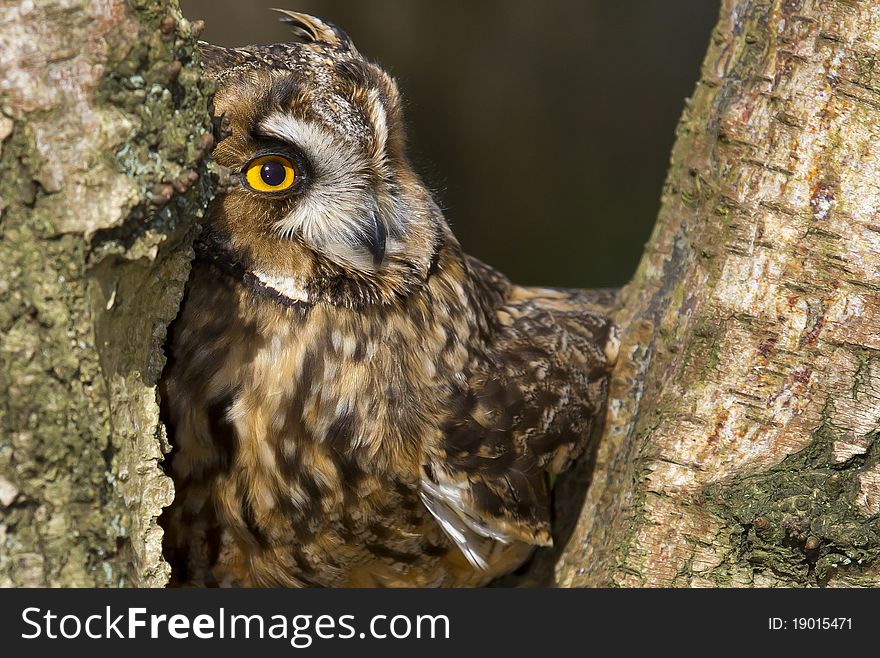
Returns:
<point x="320" y="198"/>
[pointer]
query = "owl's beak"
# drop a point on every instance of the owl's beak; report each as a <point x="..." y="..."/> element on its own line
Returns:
<point x="375" y="239"/>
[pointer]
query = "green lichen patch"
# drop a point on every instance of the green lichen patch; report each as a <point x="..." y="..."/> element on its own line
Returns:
<point x="799" y="520"/>
<point x="157" y="85"/>
<point x="55" y="423"/>
<point x="138" y="268"/>
<point x="85" y="302"/>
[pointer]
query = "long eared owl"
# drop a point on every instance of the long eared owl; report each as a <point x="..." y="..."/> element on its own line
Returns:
<point x="353" y="400"/>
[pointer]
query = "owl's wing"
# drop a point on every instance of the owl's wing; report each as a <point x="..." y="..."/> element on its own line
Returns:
<point x="526" y="411"/>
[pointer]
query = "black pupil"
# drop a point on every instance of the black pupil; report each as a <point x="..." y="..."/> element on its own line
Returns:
<point x="272" y="173"/>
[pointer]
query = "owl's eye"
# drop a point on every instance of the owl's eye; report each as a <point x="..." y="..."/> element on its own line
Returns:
<point x="271" y="173"/>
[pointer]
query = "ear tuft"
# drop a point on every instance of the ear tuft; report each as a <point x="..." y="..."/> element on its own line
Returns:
<point x="309" y="29"/>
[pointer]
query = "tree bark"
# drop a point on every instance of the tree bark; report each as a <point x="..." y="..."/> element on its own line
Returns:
<point x="739" y="447"/>
<point x="103" y="125"/>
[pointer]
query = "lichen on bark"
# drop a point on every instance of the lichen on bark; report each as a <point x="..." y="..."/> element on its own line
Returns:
<point x="740" y="440"/>
<point x="105" y="127"/>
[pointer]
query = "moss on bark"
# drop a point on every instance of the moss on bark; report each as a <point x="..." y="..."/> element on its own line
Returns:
<point x="104" y="123"/>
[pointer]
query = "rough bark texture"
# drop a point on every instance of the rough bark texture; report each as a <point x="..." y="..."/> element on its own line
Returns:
<point x="740" y="442"/>
<point x="103" y="118"/>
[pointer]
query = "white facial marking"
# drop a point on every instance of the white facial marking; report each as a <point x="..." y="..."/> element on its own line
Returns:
<point x="286" y="285"/>
<point x="336" y="210"/>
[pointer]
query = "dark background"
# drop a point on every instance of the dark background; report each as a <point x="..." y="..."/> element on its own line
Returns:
<point x="543" y="126"/>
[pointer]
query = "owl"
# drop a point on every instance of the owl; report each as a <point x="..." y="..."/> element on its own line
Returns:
<point x="352" y="399"/>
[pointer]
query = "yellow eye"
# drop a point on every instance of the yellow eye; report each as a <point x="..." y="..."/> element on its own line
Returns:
<point x="271" y="173"/>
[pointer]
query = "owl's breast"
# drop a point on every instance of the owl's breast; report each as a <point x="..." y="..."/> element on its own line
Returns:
<point x="300" y="434"/>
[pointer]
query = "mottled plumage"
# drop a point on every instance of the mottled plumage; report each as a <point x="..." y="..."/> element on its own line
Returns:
<point x="353" y="400"/>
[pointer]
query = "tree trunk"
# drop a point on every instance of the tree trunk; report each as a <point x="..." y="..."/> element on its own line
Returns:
<point x="739" y="447"/>
<point x="104" y="123"/>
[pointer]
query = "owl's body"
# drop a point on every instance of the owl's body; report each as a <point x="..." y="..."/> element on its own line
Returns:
<point x="354" y="401"/>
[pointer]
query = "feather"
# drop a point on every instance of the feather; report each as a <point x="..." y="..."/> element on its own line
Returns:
<point x="311" y="29"/>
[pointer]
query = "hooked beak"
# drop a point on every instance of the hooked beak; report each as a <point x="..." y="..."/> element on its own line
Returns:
<point x="375" y="239"/>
